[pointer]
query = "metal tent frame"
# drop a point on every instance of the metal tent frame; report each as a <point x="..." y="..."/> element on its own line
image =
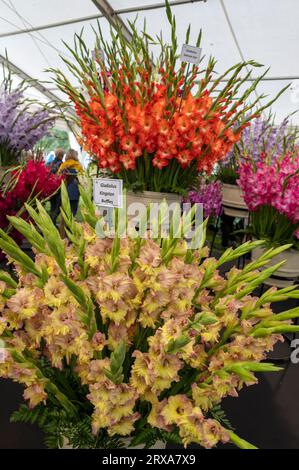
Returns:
<point x="113" y="17"/>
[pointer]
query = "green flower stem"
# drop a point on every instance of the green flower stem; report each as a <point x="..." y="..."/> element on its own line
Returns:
<point x="238" y="441"/>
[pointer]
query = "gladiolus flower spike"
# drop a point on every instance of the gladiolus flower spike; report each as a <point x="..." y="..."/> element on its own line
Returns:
<point x="151" y="124"/>
<point x="148" y="349"/>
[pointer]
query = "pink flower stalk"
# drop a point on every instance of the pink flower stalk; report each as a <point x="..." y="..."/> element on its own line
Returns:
<point x="275" y="184"/>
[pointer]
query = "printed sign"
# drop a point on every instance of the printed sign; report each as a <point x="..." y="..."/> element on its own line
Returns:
<point x="191" y="54"/>
<point x="108" y="192"/>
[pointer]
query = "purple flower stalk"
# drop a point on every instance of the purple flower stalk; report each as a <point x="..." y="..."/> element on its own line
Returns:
<point x="208" y="194"/>
<point x="20" y="128"/>
<point x="263" y="137"/>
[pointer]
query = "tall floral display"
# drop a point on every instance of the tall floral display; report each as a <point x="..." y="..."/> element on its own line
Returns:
<point x="24" y="185"/>
<point x="132" y="337"/>
<point x="271" y="192"/>
<point x="153" y="123"/>
<point x="261" y="137"/>
<point x="22" y="122"/>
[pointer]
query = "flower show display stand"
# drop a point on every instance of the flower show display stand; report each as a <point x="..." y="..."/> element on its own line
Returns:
<point x="287" y="273"/>
<point x="233" y="202"/>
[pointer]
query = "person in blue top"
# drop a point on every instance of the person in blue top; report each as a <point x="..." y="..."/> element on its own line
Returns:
<point x="70" y="169"/>
<point x="50" y="158"/>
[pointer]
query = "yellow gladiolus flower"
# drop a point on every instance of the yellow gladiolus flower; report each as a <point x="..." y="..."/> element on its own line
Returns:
<point x="99" y="421"/>
<point x="120" y="411"/>
<point x="167" y="367"/>
<point x="125" y="426"/>
<point x="25" y="302"/>
<point x="36" y="394"/>
<point x="202" y="396"/>
<point x="177" y="406"/>
<point x="155" y="417"/>
<point x="139" y="383"/>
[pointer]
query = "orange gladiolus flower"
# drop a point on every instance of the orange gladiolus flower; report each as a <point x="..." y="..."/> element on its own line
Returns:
<point x="160" y="163"/>
<point x="127" y="161"/>
<point x="184" y="158"/>
<point x="127" y="126"/>
<point x="128" y="142"/>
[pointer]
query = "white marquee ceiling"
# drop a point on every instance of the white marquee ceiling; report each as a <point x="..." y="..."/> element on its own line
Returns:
<point x="264" y="30"/>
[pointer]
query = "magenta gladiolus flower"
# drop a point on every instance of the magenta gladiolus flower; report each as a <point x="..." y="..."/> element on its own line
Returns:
<point x="275" y="184"/>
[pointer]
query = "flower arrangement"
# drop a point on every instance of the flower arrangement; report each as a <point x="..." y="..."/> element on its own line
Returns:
<point x="155" y="125"/>
<point x="115" y="337"/>
<point x="23" y="122"/>
<point x="271" y="193"/>
<point x="209" y="194"/>
<point x="261" y="137"/>
<point x="24" y="184"/>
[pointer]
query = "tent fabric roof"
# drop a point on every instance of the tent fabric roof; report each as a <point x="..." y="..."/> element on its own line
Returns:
<point x="267" y="31"/>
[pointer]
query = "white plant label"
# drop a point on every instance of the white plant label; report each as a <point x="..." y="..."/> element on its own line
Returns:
<point x="191" y="54"/>
<point x="108" y="192"/>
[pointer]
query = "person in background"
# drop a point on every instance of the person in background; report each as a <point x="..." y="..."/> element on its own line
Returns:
<point x="70" y="169"/>
<point x="50" y="157"/>
<point x="56" y="198"/>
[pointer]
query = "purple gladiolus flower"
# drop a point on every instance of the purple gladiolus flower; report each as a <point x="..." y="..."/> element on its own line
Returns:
<point x="208" y="194"/>
<point x="263" y="137"/>
<point x="20" y="127"/>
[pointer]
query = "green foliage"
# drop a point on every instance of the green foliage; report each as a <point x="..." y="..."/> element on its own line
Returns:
<point x="50" y="234"/>
<point x="148" y="436"/>
<point x="5" y="277"/>
<point x="273" y="227"/>
<point x="8" y="155"/>
<point x="173" y="178"/>
<point x="227" y="170"/>
<point x="228" y="173"/>
<point x="55" y="139"/>
<point x="85" y="302"/>
<point x="175" y="345"/>
<point x="8" y="245"/>
<point x="77" y="435"/>
<point x="116" y="367"/>
<point x="220" y="415"/>
<point x="87" y="207"/>
<point x="61" y="431"/>
<point x="37" y="415"/>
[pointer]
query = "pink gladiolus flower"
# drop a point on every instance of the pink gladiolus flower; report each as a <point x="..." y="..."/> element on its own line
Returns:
<point x="275" y="184"/>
